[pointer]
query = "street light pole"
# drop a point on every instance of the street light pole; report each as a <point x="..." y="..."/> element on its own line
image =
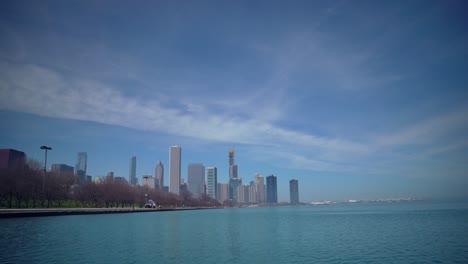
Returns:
<point x="45" y="165"/>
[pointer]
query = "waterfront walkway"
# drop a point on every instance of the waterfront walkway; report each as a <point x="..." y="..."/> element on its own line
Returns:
<point x="34" y="212"/>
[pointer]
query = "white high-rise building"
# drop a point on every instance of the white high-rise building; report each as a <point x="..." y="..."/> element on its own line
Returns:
<point x="174" y="169"/>
<point x="211" y="181"/>
<point x="259" y="184"/>
<point x="159" y="175"/>
<point x="196" y="179"/>
<point x="243" y="192"/>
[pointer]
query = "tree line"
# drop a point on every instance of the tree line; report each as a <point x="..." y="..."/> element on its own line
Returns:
<point x="31" y="187"/>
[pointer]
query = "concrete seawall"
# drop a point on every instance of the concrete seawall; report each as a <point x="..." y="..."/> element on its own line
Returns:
<point x="36" y="212"/>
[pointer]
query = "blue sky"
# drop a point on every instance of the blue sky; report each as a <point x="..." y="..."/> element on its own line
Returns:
<point x="355" y="99"/>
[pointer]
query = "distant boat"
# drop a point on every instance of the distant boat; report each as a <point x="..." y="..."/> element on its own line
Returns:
<point x="321" y="203"/>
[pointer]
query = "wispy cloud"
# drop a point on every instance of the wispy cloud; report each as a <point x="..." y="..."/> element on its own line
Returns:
<point x="42" y="91"/>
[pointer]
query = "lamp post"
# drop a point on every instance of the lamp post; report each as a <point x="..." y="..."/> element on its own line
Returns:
<point x="45" y="165"/>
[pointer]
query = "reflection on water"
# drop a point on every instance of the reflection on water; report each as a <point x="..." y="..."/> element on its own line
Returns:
<point x="334" y="234"/>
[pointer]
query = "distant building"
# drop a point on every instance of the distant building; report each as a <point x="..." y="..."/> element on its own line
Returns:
<point x="80" y="168"/>
<point x="110" y="176"/>
<point x="165" y="189"/>
<point x="62" y="168"/>
<point x="233" y="171"/>
<point x="89" y="178"/>
<point x="148" y="182"/>
<point x="233" y="184"/>
<point x="243" y="192"/>
<point x="132" y="172"/>
<point x="211" y="181"/>
<point x="259" y="184"/>
<point x="272" y="192"/>
<point x="222" y="191"/>
<point x="183" y="187"/>
<point x="196" y="179"/>
<point x="12" y="159"/>
<point x="234" y="180"/>
<point x="121" y="180"/>
<point x="159" y="175"/>
<point x="294" y="191"/>
<point x="174" y="169"/>
<point x="252" y="193"/>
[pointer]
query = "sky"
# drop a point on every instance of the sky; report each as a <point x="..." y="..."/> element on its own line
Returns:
<point x="355" y="99"/>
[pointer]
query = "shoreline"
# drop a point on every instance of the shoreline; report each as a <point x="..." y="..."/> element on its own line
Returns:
<point x="39" y="212"/>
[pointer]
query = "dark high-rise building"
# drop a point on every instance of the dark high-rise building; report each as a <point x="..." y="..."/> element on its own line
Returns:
<point x="132" y="172"/>
<point x="293" y="192"/>
<point x="159" y="175"/>
<point x="234" y="180"/>
<point x="62" y="168"/>
<point x="12" y="159"/>
<point x="232" y="165"/>
<point x="196" y="179"/>
<point x="272" y="190"/>
<point x="80" y="168"/>
<point x="234" y="183"/>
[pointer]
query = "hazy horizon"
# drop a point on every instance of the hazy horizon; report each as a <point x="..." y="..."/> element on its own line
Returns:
<point x="355" y="100"/>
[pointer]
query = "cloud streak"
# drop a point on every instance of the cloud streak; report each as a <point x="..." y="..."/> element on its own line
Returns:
<point x="42" y="91"/>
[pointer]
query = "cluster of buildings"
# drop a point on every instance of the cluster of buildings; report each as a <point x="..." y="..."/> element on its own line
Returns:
<point x="201" y="180"/>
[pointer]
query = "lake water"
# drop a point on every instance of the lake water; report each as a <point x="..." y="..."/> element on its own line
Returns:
<point x="416" y="232"/>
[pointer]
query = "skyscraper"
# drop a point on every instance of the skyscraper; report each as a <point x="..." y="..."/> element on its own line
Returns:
<point x="234" y="183"/>
<point x="243" y="192"/>
<point x="132" y="173"/>
<point x="196" y="179"/>
<point x="234" y="180"/>
<point x="62" y="168"/>
<point x="211" y="181"/>
<point x="222" y="191"/>
<point x="232" y="166"/>
<point x="259" y="184"/>
<point x="293" y="191"/>
<point x="272" y="193"/>
<point x="159" y="175"/>
<point x="80" y="168"/>
<point x="174" y="169"/>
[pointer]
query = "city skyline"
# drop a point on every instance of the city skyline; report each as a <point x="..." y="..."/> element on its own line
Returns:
<point x="354" y="100"/>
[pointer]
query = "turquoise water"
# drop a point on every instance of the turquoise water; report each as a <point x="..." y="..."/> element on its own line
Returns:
<point x="417" y="232"/>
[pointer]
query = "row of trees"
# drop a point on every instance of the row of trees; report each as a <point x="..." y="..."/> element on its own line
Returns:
<point x="30" y="187"/>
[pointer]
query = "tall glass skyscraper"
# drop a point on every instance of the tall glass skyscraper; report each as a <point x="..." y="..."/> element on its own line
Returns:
<point x="159" y="175"/>
<point x="293" y="192"/>
<point x="196" y="179"/>
<point x="211" y="181"/>
<point x="80" y="168"/>
<point x="132" y="173"/>
<point x="174" y="169"/>
<point x="272" y="191"/>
